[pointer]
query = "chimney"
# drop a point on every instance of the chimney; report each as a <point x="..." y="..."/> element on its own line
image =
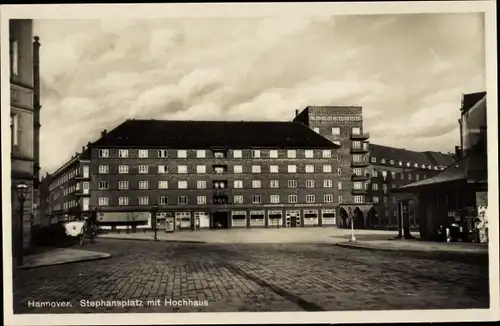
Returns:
<point x="296" y="112"/>
<point x="103" y="133"/>
<point x="83" y="149"/>
<point x="458" y="152"/>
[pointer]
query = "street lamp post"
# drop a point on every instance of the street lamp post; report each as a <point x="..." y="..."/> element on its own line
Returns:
<point x="351" y="216"/>
<point x="154" y="209"/>
<point x="22" y="192"/>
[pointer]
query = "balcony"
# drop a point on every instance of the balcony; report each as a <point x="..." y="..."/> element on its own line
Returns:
<point x="363" y="177"/>
<point x="360" y="164"/>
<point x="219" y="169"/>
<point x="362" y="136"/>
<point x="220" y="200"/>
<point x="359" y="191"/>
<point x="82" y="177"/>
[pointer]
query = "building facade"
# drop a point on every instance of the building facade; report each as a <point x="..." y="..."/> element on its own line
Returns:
<point x="211" y="174"/>
<point x="392" y="168"/>
<point x="344" y="127"/>
<point x="24" y="121"/>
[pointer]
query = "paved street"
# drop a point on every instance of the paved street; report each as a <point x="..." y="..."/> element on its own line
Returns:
<point x="252" y="277"/>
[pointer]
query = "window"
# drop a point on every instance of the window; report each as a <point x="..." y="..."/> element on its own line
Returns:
<point x="122" y="201"/>
<point x="375" y="200"/>
<point x="200" y="169"/>
<point x="327" y="183"/>
<point x="103" y="201"/>
<point x="162" y="169"/>
<point x="274" y="169"/>
<point x="291" y="153"/>
<point x="292" y="169"/>
<point x="163" y="200"/>
<point x="382" y="161"/>
<point x="273" y="153"/>
<point x="14" y="124"/>
<point x="356" y="131"/>
<point x="339" y="158"/>
<point x="144" y="200"/>
<point x="384" y="187"/>
<point x="373" y="159"/>
<point x="162" y="184"/>
<point x="256" y="153"/>
<point x="393" y="174"/>
<point x="256" y="199"/>
<point x="310" y="183"/>
<point x="182" y="184"/>
<point x="123" y="153"/>
<point x="358" y="185"/>
<point x="103" y="169"/>
<point x="143" y="185"/>
<point x="409" y="176"/>
<point x="201" y="184"/>
<point x="375" y="173"/>
<point x="238" y="184"/>
<point x="162" y="153"/>
<point x="327" y="168"/>
<point x="292" y="183"/>
<point x="255" y="168"/>
<point x="256" y="184"/>
<point x="201" y="200"/>
<point x="103" y="185"/>
<point x="375" y="186"/>
<point x="392" y="161"/>
<point x="201" y="153"/>
<point x="340" y="199"/>
<point x="238" y="199"/>
<point x="402" y="176"/>
<point x="394" y="200"/>
<point x="274" y="199"/>
<point x="103" y="153"/>
<point x="182" y="200"/>
<point x="123" y="169"/>
<point x="335" y="131"/>
<point x="309" y="153"/>
<point x="182" y="153"/>
<point x="357" y="158"/>
<point x="339" y="171"/>
<point x="357" y="171"/>
<point x="292" y="199"/>
<point x="238" y="169"/>
<point x="393" y="186"/>
<point x="417" y="177"/>
<point x="182" y="169"/>
<point x="339" y="185"/>
<point x="328" y="198"/>
<point x="237" y="153"/>
<point x="309" y="168"/>
<point x="310" y="198"/>
<point x="316" y="129"/>
<point x="143" y="169"/>
<point x="143" y="153"/>
<point x="274" y="184"/>
<point x="327" y="153"/>
<point x="15" y="57"/>
<point x="400" y="163"/>
<point x="358" y="199"/>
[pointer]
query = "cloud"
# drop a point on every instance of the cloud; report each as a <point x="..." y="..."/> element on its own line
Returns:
<point x="407" y="71"/>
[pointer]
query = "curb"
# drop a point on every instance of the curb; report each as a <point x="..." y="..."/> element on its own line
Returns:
<point x="103" y="256"/>
<point x="409" y="251"/>
<point x="151" y="240"/>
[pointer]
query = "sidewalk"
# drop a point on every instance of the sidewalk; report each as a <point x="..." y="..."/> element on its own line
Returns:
<point x="60" y="256"/>
<point x="417" y="245"/>
<point x="262" y="235"/>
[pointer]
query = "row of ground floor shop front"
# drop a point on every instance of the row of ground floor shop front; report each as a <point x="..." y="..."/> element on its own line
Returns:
<point x="274" y="217"/>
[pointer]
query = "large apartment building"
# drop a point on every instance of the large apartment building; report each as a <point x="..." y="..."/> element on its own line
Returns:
<point x="222" y="174"/>
<point x="24" y="121"/>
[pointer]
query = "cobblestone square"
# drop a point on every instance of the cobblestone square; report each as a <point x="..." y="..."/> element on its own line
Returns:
<point x="252" y="277"/>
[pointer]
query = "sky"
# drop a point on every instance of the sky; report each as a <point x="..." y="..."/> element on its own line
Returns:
<point x="408" y="72"/>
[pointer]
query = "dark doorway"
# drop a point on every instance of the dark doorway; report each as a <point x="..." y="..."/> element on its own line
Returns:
<point x="220" y="220"/>
<point x="372" y="219"/>
<point x="293" y="221"/>
<point x="359" y="220"/>
<point x="344" y="219"/>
